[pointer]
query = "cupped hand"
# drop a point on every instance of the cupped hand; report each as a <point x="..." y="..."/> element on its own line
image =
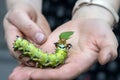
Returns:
<point x="93" y="40"/>
<point x="25" y="21"/>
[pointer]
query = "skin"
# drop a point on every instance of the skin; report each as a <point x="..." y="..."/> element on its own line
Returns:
<point x="28" y="26"/>
<point x="92" y="45"/>
<point x="93" y="40"/>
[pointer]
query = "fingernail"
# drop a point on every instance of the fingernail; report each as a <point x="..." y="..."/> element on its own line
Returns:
<point x="39" y="37"/>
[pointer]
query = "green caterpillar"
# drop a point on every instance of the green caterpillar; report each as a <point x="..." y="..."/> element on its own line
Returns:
<point x="41" y="58"/>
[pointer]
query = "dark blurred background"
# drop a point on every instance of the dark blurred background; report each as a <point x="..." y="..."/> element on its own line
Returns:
<point x="58" y="12"/>
<point x="7" y="63"/>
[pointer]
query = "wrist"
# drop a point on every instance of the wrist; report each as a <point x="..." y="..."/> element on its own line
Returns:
<point x="99" y="9"/>
<point x="94" y="12"/>
<point x="37" y="4"/>
<point x="91" y="24"/>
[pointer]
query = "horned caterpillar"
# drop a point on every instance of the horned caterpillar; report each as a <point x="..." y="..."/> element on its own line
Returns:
<point x="41" y="58"/>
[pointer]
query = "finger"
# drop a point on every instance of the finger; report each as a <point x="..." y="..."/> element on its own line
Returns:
<point x="20" y="73"/>
<point x="107" y="54"/>
<point x="19" y="67"/>
<point x="61" y="73"/>
<point x="23" y="22"/>
<point x="75" y="65"/>
<point x="10" y="36"/>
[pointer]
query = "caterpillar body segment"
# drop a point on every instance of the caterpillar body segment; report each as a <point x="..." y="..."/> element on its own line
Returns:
<point x="41" y="58"/>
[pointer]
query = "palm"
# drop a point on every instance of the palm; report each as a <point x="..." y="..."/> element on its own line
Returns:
<point x="87" y="46"/>
<point x="90" y="43"/>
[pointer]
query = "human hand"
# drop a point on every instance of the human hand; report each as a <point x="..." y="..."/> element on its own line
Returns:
<point x="93" y="40"/>
<point x="26" y="21"/>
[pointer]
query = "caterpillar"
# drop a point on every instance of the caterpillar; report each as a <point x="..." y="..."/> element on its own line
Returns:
<point x="41" y="58"/>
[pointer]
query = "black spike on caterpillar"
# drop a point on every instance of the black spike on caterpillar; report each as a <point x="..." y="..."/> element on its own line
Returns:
<point x="41" y="58"/>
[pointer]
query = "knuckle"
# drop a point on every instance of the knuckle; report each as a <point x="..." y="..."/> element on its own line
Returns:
<point x="13" y="14"/>
<point x="115" y="54"/>
<point x="67" y="74"/>
<point x="21" y="76"/>
<point x="28" y="26"/>
<point x="12" y="77"/>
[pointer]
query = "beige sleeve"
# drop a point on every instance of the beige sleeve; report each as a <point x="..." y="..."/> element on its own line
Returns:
<point x="104" y="9"/>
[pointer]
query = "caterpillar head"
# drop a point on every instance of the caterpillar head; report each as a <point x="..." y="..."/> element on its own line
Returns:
<point x="64" y="46"/>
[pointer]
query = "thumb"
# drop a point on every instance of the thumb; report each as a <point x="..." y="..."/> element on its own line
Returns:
<point x="28" y="27"/>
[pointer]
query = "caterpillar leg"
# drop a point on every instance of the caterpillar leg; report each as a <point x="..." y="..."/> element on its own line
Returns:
<point x="23" y="58"/>
<point x="68" y="46"/>
<point x="30" y="63"/>
<point x="56" y="44"/>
